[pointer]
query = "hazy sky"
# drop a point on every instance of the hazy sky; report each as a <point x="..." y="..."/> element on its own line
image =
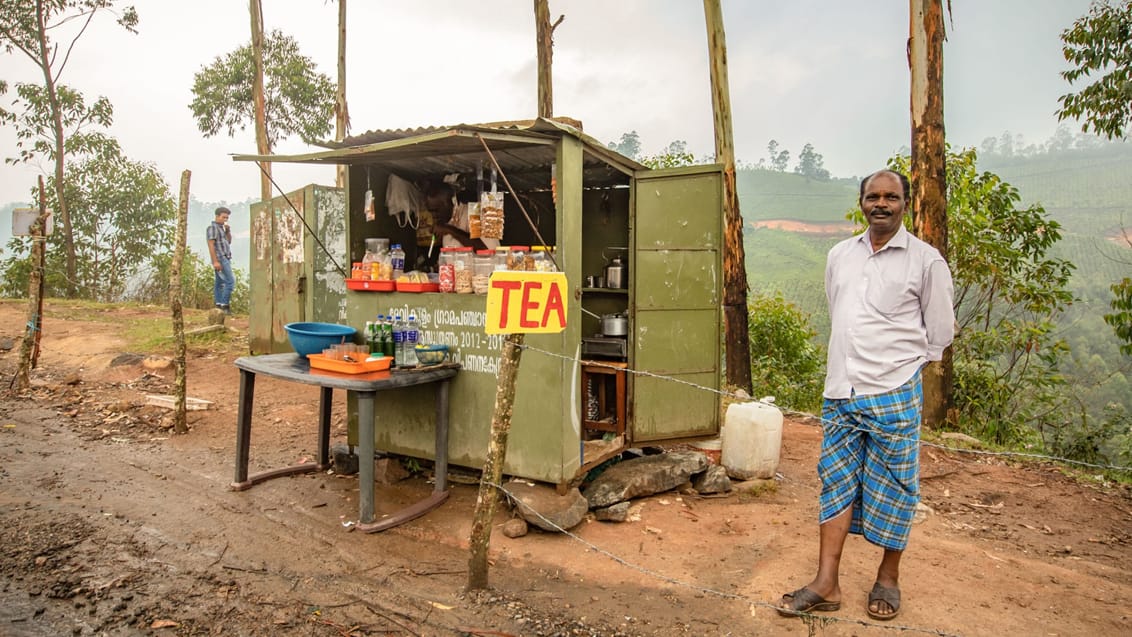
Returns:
<point x="830" y="73"/>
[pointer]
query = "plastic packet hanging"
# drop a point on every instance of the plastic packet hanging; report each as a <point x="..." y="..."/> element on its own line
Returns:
<point x="475" y="227"/>
<point x="370" y="214"/>
<point x="491" y="215"/>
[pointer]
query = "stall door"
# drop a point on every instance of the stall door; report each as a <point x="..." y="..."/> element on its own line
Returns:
<point x="676" y="291"/>
<point x="277" y="281"/>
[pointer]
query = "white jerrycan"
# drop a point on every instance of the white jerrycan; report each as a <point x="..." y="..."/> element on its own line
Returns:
<point x="752" y="439"/>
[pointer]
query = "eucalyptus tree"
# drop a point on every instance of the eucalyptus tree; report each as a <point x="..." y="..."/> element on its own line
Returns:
<point x="31" y="28"/>
<point x="124" y="219"/>
<point x="298" y="100"/>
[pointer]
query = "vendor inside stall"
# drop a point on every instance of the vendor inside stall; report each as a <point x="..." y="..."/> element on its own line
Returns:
<point x="451" y="219"/>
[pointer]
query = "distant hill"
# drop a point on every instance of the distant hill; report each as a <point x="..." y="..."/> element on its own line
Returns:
<point x="767" y="194"/>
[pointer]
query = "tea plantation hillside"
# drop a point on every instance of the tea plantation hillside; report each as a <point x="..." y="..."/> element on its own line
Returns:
<point x="768" y="194"/>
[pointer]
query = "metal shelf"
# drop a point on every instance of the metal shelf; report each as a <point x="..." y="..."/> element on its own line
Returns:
<point x="605" y="291"/>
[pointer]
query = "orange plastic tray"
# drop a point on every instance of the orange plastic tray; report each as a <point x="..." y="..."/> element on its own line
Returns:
<point x="319" y="361"/>
<point x="418" y="287"/>
<point x="366" y="285"/>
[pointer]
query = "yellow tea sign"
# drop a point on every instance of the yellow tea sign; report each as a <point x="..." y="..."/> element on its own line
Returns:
<point x="526" y="303"/>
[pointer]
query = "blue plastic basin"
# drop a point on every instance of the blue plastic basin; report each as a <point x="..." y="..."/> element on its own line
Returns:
<point x="312" y="338"/>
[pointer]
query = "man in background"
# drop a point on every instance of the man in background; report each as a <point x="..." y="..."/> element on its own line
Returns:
<point x="890" y="304"/>
<point x="219" y="237"/>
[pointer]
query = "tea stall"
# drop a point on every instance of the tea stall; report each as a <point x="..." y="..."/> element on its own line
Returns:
<point x="640" y="358"/>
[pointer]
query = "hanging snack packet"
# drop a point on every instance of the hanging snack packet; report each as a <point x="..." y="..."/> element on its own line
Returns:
<point x="491" y="215"/>
<point x="474" y="225"/>
<point x="370" y="214"/>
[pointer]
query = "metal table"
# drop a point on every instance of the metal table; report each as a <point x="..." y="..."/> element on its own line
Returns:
<point x="295" y="368"/>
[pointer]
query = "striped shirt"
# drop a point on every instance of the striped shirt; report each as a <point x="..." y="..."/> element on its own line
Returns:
<point x="891" y="312"/>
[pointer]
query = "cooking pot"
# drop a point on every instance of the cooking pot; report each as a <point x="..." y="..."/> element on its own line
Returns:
<point x="614" y="325"/>
<point x="616" y="274"/>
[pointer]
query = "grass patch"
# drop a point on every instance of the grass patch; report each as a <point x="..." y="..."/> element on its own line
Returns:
<point x="147" y="329"/>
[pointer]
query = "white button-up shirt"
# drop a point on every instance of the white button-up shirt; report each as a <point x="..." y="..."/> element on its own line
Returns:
<point x="891" y="312"/>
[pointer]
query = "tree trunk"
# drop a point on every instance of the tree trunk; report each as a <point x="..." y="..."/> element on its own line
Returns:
<point x="545" y="47"/>
<point x="929" y="173"/>
<point x="22" y="379"/>
<point x="180" y="425"/>
<point x="57" y="127"/>
<point x="493" y="469"/>
<point x="341" y="113"/>
<point x="736" y="338"/>
<point x="263" y="147"/>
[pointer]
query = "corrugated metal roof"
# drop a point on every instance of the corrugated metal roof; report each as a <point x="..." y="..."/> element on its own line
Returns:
<point x="524" y="149"/>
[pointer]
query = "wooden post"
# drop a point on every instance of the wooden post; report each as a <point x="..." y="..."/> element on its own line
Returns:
<point x="929" y="171"/>
<point x="545" y="49"/>
<point x="488" y="496"/>
<point x="29" y="346"/>
<point x="736" y="337"/>
<point x="180" y="425"/>
<point x="341" y="114"/>
<point x="511" y="353"/>
<point x="261" y="144"/>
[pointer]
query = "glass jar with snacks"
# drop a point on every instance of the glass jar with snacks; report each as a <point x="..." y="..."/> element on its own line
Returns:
<point x="519" y="258"/>
<point x="446" y="269"/>
<point x="482" y="266"/>
<point x="541" y="260"/>
<point x="502" y="255"/>
<point x="462" y="260"/>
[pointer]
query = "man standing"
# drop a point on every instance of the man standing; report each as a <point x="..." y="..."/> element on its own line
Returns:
<point x="890" y="304"/>
<point x="219" y="237"/>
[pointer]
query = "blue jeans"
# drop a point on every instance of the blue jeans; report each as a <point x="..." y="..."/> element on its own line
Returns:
<point x="223" y="283"/>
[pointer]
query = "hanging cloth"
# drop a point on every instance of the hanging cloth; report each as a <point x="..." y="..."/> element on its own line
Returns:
<point x="403" y="200"/>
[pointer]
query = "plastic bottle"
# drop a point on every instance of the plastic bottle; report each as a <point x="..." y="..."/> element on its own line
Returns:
<point x="370" y="336"/>
<point x="398" y="341"/>
<point x="397" y="256"/>
<point x="386" y="327"/>
<point x="412" y="337"/>
<point x="376" y="348"/>
<point x="751" y="439"/>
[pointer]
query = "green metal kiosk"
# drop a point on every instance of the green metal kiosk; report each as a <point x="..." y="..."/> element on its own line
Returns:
<point x="591" y="203"/>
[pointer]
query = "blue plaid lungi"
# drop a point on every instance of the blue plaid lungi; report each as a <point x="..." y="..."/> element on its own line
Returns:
<point x="870" y="461"/>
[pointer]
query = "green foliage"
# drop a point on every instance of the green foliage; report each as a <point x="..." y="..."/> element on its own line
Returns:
<point x="811" y="164"/>
<point x="122" y="216"/>
<point x="34" y="123"/>
<point x="674" y="155"/>
<point x="1096" y="441"/>
<point x="1121" y="317"/>
<point x="19" y="24"/>
<point x="197" y="276"/>
<point x="297" y="99"/>
<point x="629" y="146"/>
<point x="1100" y="44"/>
<point x="777" y="160"/>
<point x="785" y="362"/>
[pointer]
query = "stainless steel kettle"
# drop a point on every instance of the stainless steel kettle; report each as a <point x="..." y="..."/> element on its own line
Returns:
<point x="617" y="274"/>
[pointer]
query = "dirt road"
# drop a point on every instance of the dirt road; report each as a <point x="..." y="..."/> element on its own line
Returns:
<point x="109" y="524"/>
